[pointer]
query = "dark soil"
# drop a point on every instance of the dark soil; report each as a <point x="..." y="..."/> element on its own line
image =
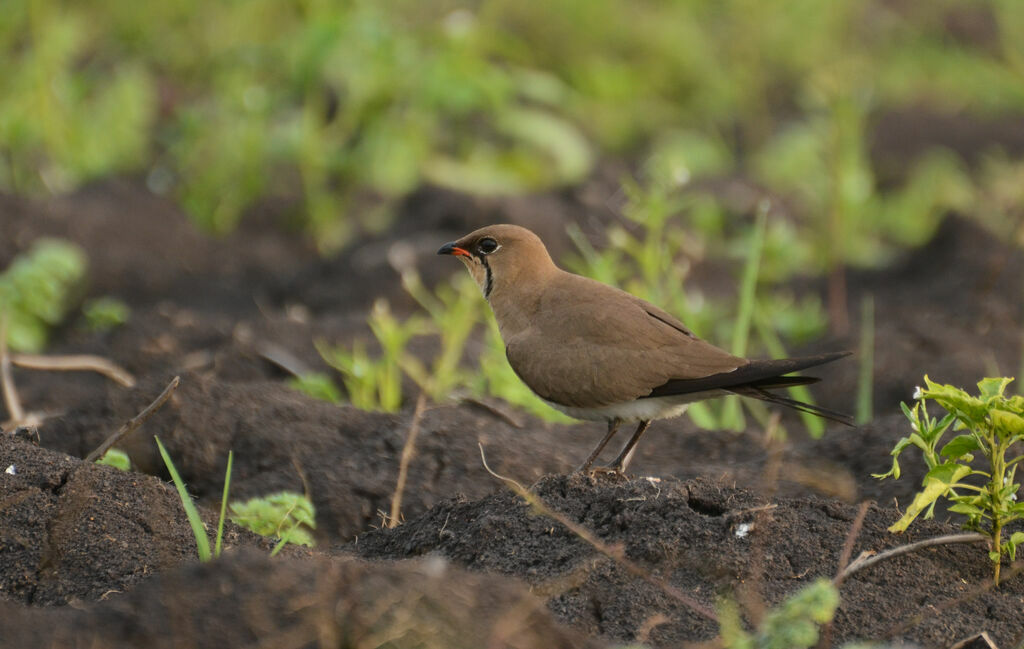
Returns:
<point x="247" y="599"/>
<point x="708" y="539"/>
<point x="216" y="310"/>
<point x="80" y="532"/>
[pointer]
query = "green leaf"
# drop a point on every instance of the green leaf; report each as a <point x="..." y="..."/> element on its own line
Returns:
<point x="964" y="508"/>
<point x="937" y="483"/>
<point x="1006" y="422"/>
<point x="285" y="514"/>
<point x="919" y="442"/>
<point x="993" y="388"/>
<point x="907" y="411"/>
<point x="959" y="446"/>
<point x="1010" y="547"/>
<point x="948" y="473"/>
<point x="116" y="458"/>
<point x="893" y="473"/>
<point x="194" y="521"/>
<point x="956" y="400"/>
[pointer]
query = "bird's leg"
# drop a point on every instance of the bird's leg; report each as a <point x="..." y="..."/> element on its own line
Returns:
<point x="613" y="425"/>
<point x="619" y="465"/>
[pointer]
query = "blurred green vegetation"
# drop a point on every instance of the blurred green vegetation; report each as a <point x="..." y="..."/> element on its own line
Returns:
<point x="348" y="106"/>
<point x="38" y="289"/>
<point x="105" y="313"/>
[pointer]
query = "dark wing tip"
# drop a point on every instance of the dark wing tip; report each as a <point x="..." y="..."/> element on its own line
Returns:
<point x="758" y="373"/>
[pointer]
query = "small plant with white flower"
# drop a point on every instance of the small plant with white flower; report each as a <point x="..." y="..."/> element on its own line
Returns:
<point x="993" y="425"/>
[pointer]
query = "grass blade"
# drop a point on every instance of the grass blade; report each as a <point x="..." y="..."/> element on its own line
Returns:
<point x="198" y="530"/>
<point x="865" y="378"/>
<point x="224" y="504"/>
<point x="732" y="415"/>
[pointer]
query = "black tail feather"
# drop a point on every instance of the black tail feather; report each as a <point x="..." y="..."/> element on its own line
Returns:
<point x="758" y="374"/>
<point x="776" y="382"/>
<point x="825" y="413"/>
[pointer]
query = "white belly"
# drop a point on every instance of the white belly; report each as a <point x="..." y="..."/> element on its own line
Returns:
<point x="639" y="410"/>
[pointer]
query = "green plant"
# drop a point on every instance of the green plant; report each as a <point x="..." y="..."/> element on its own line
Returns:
<point x="793" y="624"/>
<point x="375" y="383"/>
<point x="866" y="355"/>
<point x="286" y="515"/>
<point x="348" y="107"/>
<point x="994" y="424"/>
<point x="317" y="385"/>
<point x="116" y="458"/>
<point x="455" y="310"/>
<point x="37" y="290"/>
<point x="194" y="520"/>
<point x="105" y="313"/>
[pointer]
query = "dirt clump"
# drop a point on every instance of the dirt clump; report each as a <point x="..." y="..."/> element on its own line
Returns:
<point x="247" y="599"/>
<point x="75" y="531"/>
<point x="708" y="539"/>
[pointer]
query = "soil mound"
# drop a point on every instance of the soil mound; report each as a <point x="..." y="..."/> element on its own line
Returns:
<point x="708" y="539"/>
<point x="76" y="531"/>
<point x="246" y="599"/>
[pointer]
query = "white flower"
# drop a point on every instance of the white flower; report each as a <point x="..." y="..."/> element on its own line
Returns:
<point x="918" y="392"/>
<point x="743" y="529"/>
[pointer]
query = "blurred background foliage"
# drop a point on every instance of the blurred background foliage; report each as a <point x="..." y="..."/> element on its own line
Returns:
<point x="344" y="107"/>
<point x="347" y="106"/>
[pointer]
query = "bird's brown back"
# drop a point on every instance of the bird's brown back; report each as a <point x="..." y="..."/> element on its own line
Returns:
<point x="586" y="344"/>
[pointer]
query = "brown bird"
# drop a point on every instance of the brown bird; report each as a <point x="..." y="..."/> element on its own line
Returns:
<point x="595" y="352"/>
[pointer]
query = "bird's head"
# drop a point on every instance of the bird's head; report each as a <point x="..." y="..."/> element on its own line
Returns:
<point x="502" y="258"/>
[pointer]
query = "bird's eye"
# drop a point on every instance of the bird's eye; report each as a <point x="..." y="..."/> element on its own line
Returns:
<point x="487" y="245"/>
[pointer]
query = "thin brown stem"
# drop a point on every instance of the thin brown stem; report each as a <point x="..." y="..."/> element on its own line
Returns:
<point x="613" y="553"/>
<point x="11" y="401"/>
<point x="851" y="539"/>
<point x="80" y="362"/>
<point x="403" y="464"/>
<point x="136" y="421"/>
<point x="867" y="559"/>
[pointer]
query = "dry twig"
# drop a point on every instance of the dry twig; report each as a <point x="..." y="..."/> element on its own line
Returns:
<point x="11" y="400"/>
<point x="870" y="558"/>
<point x="80" y="362"/>
<point x="403" y="465"/>
<point x="135" y="421"/>
<point x="613" y="553"/>
<point x="851" y="538"/>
